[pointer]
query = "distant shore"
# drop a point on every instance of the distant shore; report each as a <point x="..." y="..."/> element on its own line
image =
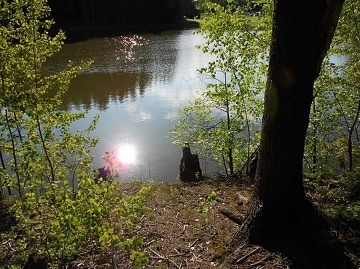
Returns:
<point x="83" y="32"/>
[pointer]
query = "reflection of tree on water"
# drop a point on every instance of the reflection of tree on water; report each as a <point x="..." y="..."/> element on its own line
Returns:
<point x="124" y="67"/>
<point x="161" y="57"/>
<point x="98" y="89"/>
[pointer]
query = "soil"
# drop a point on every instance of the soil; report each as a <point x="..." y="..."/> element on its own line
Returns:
<point x="184" y="228"/>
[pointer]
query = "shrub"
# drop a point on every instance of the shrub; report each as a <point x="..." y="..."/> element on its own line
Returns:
<point x="97" y="218"/>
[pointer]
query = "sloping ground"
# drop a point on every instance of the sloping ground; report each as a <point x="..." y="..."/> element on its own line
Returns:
<point x="185" y="229"/>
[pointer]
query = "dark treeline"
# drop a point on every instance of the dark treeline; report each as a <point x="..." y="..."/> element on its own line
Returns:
<point x="88" y="18"/>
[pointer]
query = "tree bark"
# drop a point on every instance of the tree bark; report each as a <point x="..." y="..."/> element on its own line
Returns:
<point x="280" y="216"/>
<point x="298" y="41"/>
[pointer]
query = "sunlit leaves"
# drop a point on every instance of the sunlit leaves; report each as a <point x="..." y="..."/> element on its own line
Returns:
<point x="45" y="166"/>
<point x="224" y="122"/>
<point x="36" y="142"/>
<point x="62" y="223"/>
<point x="336" y="105"/>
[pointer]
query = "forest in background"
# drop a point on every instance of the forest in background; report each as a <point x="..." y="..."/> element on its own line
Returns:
<point x="85" y="19"/>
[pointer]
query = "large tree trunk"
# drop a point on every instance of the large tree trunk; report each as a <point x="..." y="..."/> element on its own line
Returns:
<point x="280" y="216"/>
<point x="298" y="42"/>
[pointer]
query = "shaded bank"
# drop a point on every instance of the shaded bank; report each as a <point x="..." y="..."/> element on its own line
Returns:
<point x="84" y="32"/>
<point x="87" y="19"/>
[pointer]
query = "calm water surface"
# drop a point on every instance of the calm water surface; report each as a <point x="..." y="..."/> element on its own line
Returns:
<point x="137" y="85"/>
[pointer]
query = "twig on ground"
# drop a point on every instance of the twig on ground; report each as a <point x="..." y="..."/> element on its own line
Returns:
<point x="260" y="262"/>
<point x="193" y="243"/>
<point x="149" y="243"/>
<point x="165" y="258"/>
<point x="247" y="255"/>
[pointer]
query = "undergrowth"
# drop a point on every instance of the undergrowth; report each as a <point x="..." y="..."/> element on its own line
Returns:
<point x="56" y="223"/>
<point x="338" y="197"/>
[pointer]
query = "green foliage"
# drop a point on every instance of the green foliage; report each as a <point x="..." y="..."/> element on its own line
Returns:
<point x="338" y="198"/>
<point x="203" y="4"/>
<point x="139" y="258"/>
<point x="35" y="138"/>
<point x="336" y="106"/>
<point x="248" y="5"/>
<point x="96" y="218"/>
<point x="40" y="155"/>
<point x="212" y="197"/>
<point x="223" y="123"/>
<point x="204" y="206"/>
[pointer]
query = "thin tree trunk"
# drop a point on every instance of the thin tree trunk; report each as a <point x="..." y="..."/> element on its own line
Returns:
<point x="230" y="134"/>
<point x="3" y="166"/>
<point x="37" y="116"/>
<point x="314" y="159"/>
<point x="225" y="166"/>
<point x="231" y="138"/>
<point x="351" y="132"/>
<point x="13" y="152"/>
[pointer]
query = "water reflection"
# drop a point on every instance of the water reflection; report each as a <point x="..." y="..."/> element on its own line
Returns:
<point x="124" y="67"/>
<point x="97" y="90"/>
<point x="137" y="88"/>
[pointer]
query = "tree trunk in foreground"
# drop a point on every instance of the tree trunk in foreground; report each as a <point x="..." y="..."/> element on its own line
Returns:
<point x="280" y="216"/>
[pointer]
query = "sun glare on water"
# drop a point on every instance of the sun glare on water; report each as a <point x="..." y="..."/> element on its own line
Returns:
<point x="127" y="154"/>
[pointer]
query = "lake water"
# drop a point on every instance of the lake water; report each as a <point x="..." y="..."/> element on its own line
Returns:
<point x="137" y="85"/>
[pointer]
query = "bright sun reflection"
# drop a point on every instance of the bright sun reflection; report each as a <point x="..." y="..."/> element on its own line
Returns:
<point x="127" y="154"/>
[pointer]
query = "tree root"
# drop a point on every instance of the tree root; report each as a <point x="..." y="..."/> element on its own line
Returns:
<point x="233" y="215"/>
